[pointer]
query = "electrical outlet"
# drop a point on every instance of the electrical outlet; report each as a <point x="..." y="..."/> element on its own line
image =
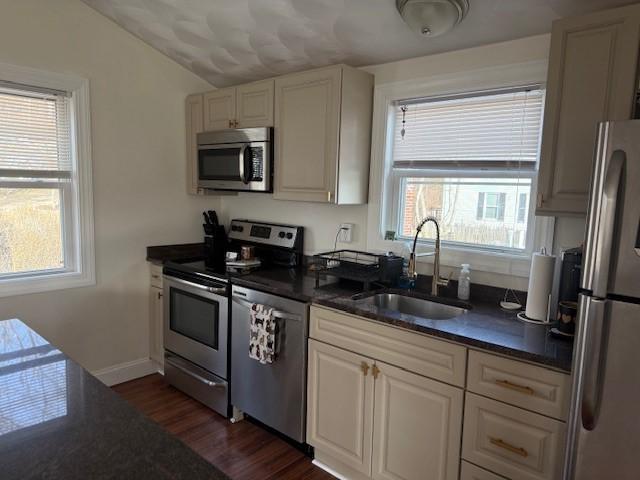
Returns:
<point x="346" y="233"/>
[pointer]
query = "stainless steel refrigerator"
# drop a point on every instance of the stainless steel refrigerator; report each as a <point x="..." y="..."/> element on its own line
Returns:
<point x="603" y="440"/>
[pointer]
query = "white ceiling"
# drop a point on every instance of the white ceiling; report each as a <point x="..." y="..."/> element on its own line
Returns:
<point x="227" y="42"/>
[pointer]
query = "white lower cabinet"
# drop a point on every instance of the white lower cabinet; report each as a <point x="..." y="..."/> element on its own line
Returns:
<point x="510" y="441"/>
<point x="413" y="435"/>
<point x="156" y="344"/>
<point x="340" y="405"/>
<point x="468" y="471"/>
<point x="416" y="427"/>
<point x="156" y="347"/>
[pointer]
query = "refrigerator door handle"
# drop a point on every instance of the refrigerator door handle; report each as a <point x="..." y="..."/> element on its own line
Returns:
<point x="604" y="243"/>
<point x="594" y="359"/>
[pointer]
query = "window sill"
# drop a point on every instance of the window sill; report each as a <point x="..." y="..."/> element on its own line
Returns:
<point x="10" y="287"/>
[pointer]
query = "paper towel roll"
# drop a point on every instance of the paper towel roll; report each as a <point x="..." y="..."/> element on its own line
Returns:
<point x="540" y="283"/>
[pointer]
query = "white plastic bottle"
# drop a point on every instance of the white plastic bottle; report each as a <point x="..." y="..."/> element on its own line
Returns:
<point x="464" y="282"/>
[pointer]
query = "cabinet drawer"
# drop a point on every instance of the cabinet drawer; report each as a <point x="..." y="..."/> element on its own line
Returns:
<point x="469" y="471"/>
<point x="510" y="441"/>
<point x="520" y="384"/>
<point x="408" y="350"/>
<point x="156" y="275"/>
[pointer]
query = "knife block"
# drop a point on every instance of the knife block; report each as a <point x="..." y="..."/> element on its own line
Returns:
<point x="215" y="246"/>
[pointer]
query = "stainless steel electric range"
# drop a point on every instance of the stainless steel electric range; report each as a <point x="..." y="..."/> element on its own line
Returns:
<point x="197" y="314"/>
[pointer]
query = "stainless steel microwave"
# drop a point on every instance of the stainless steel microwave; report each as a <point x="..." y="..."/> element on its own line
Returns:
<point x="236" y="160"/>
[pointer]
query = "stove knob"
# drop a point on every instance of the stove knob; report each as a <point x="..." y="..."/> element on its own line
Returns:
<point x="281" y="234"/>
<point x="240" y="228"/>
<point x="289" y="236"/>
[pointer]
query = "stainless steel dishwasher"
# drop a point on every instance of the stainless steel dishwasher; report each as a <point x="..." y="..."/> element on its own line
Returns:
<point x="274" y="394"/>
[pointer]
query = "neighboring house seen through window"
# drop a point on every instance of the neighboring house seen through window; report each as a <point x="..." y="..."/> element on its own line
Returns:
<point x="471" y="161"/>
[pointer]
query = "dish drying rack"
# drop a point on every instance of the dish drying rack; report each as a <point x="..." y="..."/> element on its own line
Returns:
<point x="359" y="266"/>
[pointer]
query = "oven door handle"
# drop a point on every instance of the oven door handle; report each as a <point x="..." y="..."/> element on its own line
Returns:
<point x="275" y="313"/>
<point x="194" y="375"/>
<point x="218" y="291"/>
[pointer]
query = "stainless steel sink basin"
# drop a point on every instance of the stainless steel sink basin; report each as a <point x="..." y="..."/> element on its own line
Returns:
<point x="417" y="307"/>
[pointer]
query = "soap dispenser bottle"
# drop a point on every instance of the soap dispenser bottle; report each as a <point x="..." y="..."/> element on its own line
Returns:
<point x="464" y="282"/>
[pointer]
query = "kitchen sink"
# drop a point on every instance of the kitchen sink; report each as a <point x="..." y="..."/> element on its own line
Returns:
<point x="417" y="307"/>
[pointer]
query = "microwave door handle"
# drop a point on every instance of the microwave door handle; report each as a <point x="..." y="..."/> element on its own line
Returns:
<point x="605" y="235"/>
<point x="243" y="150"/>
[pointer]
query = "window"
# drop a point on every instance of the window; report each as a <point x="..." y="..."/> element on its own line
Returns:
<point x="470" y="161"/>
<point x="45" y="222"/>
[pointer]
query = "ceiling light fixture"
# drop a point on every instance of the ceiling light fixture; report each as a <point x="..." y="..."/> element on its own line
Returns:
<point x="432" y="18"/>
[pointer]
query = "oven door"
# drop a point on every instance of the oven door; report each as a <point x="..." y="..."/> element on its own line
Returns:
<point x="196" y="323"/>
<point x="234" y="166"/>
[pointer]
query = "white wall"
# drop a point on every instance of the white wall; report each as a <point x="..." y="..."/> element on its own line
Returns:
<point x="321" y="221"/>
<point x="137" y="122"/>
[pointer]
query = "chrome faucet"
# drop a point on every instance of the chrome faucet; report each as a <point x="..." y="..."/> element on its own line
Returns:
<point x="437" y="281"/>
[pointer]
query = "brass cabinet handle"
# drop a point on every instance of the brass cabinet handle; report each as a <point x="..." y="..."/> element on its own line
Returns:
<point x="375" y="371"/>
<point x="498" y="442"/>
<point x="514" y="386"/>
<point x="365" y="368"/>
<point x="329" y="194"/>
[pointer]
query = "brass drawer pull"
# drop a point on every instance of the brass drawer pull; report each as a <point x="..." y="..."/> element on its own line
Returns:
<point x="365" y="368"/>
<point x="516" y="387"/>
<point x="498" y="442"/>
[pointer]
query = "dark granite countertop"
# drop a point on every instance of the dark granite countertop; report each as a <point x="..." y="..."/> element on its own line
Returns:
<point x="59" y="422"/>
<point x="485" y="326"/>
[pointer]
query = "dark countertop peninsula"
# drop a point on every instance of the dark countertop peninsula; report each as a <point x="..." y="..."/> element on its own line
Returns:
<point x="485" y="326"/>
<point x="59" y="422"/>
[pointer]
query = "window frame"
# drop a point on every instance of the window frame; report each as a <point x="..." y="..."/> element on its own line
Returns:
<point x="382" y="186"/>
<point x="77" y="196"/>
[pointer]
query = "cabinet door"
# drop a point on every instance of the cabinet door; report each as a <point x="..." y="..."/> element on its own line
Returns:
<point x="592" y="74"/>
<point x="220" y="109"/>
<point x="156" y="345"/>
<point x="307" y="122"/>
<point x="194" y="125"/>
<point x="255" y="104"/>
<point x="417" y="427"/>
<point x="340" y="405"/>
<point x="469" y="471"/>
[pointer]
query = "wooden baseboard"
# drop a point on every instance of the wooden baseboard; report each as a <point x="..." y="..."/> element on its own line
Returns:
<point x="123" y="372"/>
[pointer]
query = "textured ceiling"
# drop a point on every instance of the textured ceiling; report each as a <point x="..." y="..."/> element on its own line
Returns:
<point x="227" y="42"/>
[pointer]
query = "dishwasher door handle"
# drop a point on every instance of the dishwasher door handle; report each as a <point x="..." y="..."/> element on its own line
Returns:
<point x="275" y="313"/>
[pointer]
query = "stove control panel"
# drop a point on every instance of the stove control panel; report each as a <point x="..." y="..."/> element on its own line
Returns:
<point x="273" y="234"/>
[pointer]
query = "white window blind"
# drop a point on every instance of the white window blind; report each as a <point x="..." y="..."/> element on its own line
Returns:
<point x="494" y="130"/>
<point x="34" y="134"/>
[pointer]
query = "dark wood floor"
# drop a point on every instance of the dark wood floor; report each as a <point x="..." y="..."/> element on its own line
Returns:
<point x="242" y="450"/>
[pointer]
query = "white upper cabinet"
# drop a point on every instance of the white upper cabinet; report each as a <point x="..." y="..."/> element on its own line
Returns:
<point x="592" y="78"/>
<point x="323" y="135"/>
<point x="254" y="105"/>
<point x="194" y="124"/>
<point x="220" y="109"/>
<point x="246" y="106"/>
